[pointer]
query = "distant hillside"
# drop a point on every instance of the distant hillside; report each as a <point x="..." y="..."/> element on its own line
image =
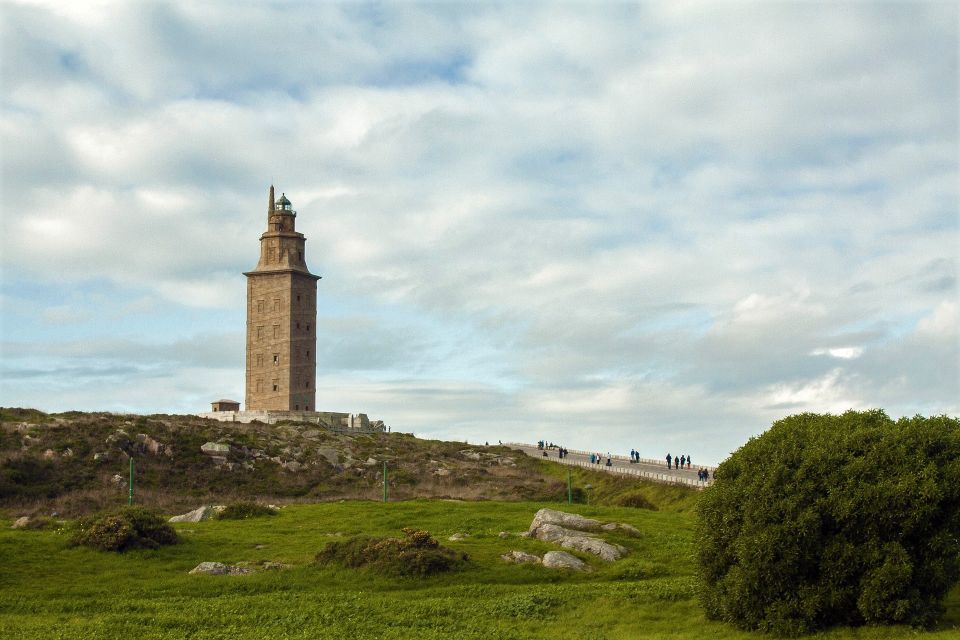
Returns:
<point x="77" y="462"/>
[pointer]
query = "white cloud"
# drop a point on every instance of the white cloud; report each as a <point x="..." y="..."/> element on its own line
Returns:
<point x="635" y="215"/>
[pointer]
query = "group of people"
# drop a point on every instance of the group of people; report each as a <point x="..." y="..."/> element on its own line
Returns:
<point x="680" y="462"/>
<point x="544" y="445"/>
<point x="596" y="458"/>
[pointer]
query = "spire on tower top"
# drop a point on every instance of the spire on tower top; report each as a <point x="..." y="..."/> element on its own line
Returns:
<point x="272" y="206"/>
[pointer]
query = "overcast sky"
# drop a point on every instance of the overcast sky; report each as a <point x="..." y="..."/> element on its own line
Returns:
<point x="659" y="226"/>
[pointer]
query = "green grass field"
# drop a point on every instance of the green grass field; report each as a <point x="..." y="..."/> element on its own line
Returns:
<point x="48" y="590"/>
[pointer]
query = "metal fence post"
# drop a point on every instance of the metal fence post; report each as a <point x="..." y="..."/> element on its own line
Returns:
<point x="130" y="497"/>
<point x="384" y="480"/>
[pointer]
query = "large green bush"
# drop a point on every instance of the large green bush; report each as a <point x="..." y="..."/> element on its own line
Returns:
<point x="417" y="554"/>
<point x="827" y="520"/>
<point x="128" y="528"/>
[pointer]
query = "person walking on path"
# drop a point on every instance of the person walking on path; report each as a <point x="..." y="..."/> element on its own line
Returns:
<point x="632" y="454"/>
<point x="668" y="461"/>
<point x="682" y="460"/>
<point x="688" y="461"/>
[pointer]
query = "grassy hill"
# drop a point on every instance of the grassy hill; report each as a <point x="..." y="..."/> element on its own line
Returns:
<point x="74" y="463"/>
<point x="50" y="590"/>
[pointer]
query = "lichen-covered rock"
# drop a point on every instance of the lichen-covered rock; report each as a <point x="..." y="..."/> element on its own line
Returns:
<point x="215" y="449"/>
<point x="219" y="569"/>
<point x="21" y="523"/>
<point x="580" y="541"/>
<point x="566" y="520"/>
<point x="199" y="514"/>
<point x="569" y="530"/>
<point x="520" y="557"/>
<point x="563" y="560"/>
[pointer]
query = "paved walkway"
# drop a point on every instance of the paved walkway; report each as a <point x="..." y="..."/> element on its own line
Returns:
<point x="651" y="469"/>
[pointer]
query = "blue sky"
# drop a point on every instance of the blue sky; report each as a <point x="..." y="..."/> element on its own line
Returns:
<point x="659" y="225"/>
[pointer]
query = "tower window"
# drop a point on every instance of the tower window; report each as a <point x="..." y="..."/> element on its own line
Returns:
<point x="276" y="358"/>
<point x="276" y="304"/>
<point x="259" y="386"/>
<point x="298" y="297"/>
<point x="259" y="359"/>
<point x="276" y="384"/>
<point x="308" y="327"/>
<point x="259" y="306"/>
<point x="276" y="331"/>
<point x="297" y="407"/>
<point x="308" y="355"/>
<point x="306" y="385"/>
<point x="259" y="333"/>
<point x="298" y="325"/>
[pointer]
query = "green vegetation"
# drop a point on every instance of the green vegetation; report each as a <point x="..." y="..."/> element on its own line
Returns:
<point x="416" y="554"/>
<point x="77" y="463"/>
<point x="128" y="528"/>
<point x="244" y="510"/>
<point x="51" y="590"/>
<point x="826" y="520"/>
<point x="602" y="488"/>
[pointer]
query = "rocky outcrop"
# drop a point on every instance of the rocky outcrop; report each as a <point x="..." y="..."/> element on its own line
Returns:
<point x="215" y="449"/>
<point x="520" y="557"/>
<point x="566" y="520"/>
<point x="563" y="560"/>
<point x="219" y="569"/>
<point x="199" y="514"/>
<point x="572" y="531"/>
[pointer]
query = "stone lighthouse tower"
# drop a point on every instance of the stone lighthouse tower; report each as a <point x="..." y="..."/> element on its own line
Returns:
<point x="281" y="318"/>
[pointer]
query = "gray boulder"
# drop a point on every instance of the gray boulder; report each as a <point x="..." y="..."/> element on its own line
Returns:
<point x="215" y="449"/>
<point x="219" y="569"/>
<point x="519" y="557"/>
<point x="197" y="515"/>
<point x="566" y="520"/>
<point x="569" y="530"/>
<point x="21" y="523"/>
<point x="563" y="560"/>
<point x="580" y="541"/>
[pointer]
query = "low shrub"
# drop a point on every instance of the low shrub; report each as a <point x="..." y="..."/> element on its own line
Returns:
<point x="635" y="500"/>
<point x="244" y="510"/>
<point x="416" y="554"/>
<point x="128" y="528"/>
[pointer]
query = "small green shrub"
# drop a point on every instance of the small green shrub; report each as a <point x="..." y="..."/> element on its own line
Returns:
<point x="635" y="500"/>
<point x="128" y="528"/>
<point x="416" y="554"/>
<point x="244" y="510"/>
<point x="827" y="520"/>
